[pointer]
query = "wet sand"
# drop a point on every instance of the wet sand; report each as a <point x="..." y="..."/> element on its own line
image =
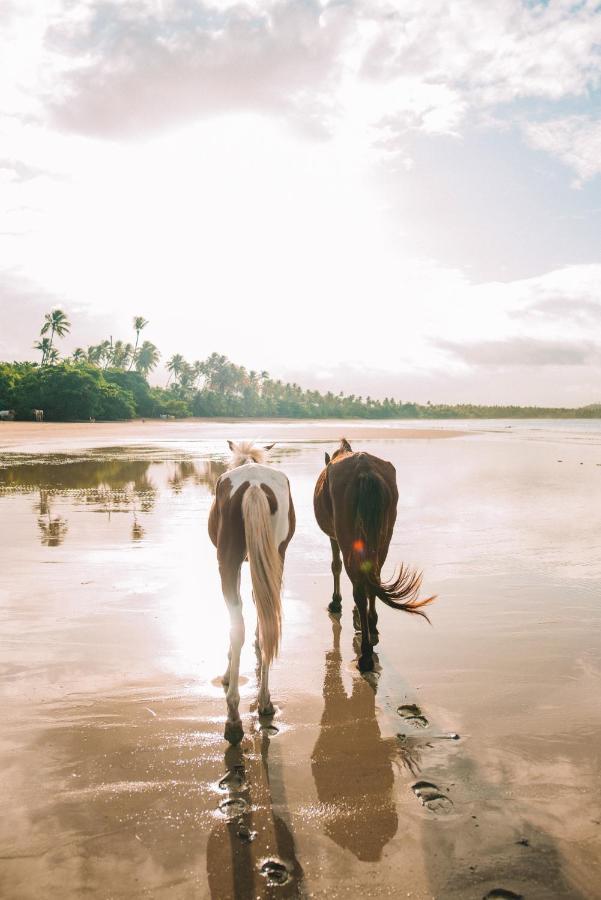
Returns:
<point x="468" y="763"/>
<point x="54" y="436"/>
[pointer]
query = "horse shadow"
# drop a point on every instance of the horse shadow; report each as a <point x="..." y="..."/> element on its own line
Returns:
<point x="353" y="765"/>
<point x="251" y="851"/>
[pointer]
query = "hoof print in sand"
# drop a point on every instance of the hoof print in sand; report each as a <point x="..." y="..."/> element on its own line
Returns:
<point x="412" y="713"/>
<point x="267" y="728"/>
<point x="275" y="871"/>
<point x="232" y="807"/>
<point x="233" y="780"/>
<point x="245" y="834"/>
<point x="502" y="894"/>
<point x="432" y="797"/>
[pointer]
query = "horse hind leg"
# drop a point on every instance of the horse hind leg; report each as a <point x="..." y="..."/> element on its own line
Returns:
<point x="335" y="605"/>
<point x="372" y="619"/>
<point x="233" y="726"/>
<point x="225" y="678"/>
<point x="366" y="660"/>
<point x="264" y="705"/>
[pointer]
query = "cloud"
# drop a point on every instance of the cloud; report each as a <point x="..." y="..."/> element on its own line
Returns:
<point x="495" y="52"/>
<point x="133" y="67"/>
<point x="569" y="297"/>
<point x="524" y="352"/>
<point x="16" y="170"/>
<point x="563" y="309"/>
<point x="575" y="140"/>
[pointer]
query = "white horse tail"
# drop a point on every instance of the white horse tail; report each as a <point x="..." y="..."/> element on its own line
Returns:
<point x="265" y="569"/>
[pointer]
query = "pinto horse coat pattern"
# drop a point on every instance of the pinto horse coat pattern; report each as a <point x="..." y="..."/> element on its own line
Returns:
<point x="252" y="517"/>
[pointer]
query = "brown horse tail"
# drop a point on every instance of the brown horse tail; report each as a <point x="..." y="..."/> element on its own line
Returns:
<point x="403" y="591"/>
<point x="265" y="569"/>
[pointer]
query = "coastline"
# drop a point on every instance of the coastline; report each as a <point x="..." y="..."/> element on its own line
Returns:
<point x="50" y="436"/>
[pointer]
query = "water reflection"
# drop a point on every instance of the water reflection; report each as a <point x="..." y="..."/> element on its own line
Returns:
<point x="137" y="530"/>
<point x="106" y="485"/>
<point x="53" y="528"/>
<point x="352" y="764"/>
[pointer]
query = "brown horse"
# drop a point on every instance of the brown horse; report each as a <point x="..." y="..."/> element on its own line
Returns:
<point x="355" y="504"/>
<point x="252" y="517"/>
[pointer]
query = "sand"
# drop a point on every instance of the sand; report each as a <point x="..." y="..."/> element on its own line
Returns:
<point x="468" y="763"/>
<point x="53" y="436"/>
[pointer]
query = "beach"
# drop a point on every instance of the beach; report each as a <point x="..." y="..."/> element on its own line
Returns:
<point x="467" y="764"/>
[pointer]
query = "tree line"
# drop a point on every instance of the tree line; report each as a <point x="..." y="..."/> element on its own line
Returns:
<point x="109" y="381"/>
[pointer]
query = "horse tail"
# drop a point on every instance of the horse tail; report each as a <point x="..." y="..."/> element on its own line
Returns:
<point x="265" y="569"/>
<point x="402" y="592"/>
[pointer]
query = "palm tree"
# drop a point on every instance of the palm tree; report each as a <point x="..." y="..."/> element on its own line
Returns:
<point x="147" y="358"/>
<point x="139" y="323"/>
<point x="176" y="366"/>
<point x="104" y="352"/>
<point x="198" y="370"/>
<point x="94" y="353"/>
<point x="56" y="322"/>
<point x="52" y="356"/>
<point x="44" y="346"/>
<point x="79" y="355"/>
<point x="121" y="355"/>
<point x="186" y="378"/>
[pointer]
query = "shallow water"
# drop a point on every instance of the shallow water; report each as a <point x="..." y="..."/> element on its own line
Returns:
<point x="469" y="763"/>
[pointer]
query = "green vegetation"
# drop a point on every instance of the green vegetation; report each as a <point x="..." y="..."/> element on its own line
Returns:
<point x="109" y="381"/>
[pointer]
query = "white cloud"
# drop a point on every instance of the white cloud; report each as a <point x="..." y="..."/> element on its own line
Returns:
<point x="575" y="140"/>
<point x="493" y="52"/>
<point x="133" y="67"/>
<point x="521" y="351"/>
<point x="136" y="66"/>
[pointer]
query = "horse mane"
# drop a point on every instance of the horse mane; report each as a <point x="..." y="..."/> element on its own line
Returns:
<point x="246" y="452"/>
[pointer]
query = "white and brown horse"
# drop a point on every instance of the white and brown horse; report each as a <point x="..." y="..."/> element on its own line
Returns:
<point x="252" y="518"/>
<point x="355" y="504"/>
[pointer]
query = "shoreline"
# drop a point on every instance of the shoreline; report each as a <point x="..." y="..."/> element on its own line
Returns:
<point x="46" y="436"/>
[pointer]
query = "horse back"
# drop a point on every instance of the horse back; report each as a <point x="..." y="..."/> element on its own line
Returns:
<point x="337" y="492"/>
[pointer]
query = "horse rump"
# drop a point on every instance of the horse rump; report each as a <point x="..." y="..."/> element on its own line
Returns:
<point x="373" y="502"/>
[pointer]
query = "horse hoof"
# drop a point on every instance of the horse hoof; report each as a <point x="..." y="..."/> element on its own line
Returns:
<point x="366" y="664"/>
<point x="335" y="605"/>
<point x="233" y="732"/>
<point x="268" y="710"/>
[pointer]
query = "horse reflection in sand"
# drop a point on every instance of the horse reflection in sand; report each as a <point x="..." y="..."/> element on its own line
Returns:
<point x="355" y="504"/>
<point x="252" y="517"/>
<point x="251" y="852"/>
<point x="353" y="765"/>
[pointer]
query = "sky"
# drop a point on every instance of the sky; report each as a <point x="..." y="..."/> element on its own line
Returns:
<point x="384" y="197"/>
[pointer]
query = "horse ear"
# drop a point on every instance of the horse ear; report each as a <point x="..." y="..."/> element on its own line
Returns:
<point x="327" y="459"/>
<point x="345" y="445"/>
<point x="233" y="447"/>
<point x="269" y="446"/>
